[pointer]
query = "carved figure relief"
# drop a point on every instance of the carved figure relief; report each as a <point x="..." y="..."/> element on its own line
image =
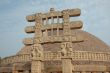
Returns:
<point x="33" y="53"/>
<point x="37" y="51"/>
<point x="65" y="48"/>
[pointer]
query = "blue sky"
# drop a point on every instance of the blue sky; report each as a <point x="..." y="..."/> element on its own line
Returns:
<point x="95" y="16"/>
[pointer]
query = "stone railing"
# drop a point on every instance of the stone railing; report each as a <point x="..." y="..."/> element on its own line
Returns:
<point x="15" y="58"/>
<point x="79" y="55"/>
<point x="52" y="55"/>
<point x="92" y="56"/>
<point x="75" y="55"/>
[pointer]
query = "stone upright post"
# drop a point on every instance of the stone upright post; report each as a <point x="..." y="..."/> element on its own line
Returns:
<point x="66" y="26"/>
<point x="66" y="59"/>
<point x="37" y="52"/>
<point x="36" y="66"/>
<point x="14" y="69"/>
<point x="66" y="65"/>
<point x="37" y="57"/>
<point x="66" y="45"/>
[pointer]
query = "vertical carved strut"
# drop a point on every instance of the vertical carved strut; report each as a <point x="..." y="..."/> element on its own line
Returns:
<point x="66" y="26"/>
<point x="66" y="46"/>
<point x="38" y="25"/>
<point x="37" y="51"/>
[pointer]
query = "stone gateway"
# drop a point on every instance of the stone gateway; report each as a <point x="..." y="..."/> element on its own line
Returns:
<point x="58" y="46"/>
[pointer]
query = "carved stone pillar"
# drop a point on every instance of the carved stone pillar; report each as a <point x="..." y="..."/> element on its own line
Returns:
<point x="52" y="31"/>
<point x="37" y="59"/>
<point x="38" y="32"/>
<point x="36" y="66"/>
<point x="58" y="20"/>
<point x="66" y="26"/>
<point x="52" y="20"/>
<point x="65" y="16"/>
<point x="14" y="69"/>
<point x="66" y="59"/>
<point x="57" y="31"/>
<point x="66" y="65"/>
<point x="46" y="20"/>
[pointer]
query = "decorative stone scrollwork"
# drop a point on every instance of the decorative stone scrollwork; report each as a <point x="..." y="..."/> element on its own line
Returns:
<point x="66" y="47"/>
<point x="74" y="12"/>
<point x="37" y="51"/>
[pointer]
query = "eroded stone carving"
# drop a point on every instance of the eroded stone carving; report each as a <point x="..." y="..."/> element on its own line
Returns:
<point x="33" y="54"/>
<point x="65" y="48"/>
<point x="37" y="51"/>
<point x="65" y="16"/>
<point x="39" y="18"/>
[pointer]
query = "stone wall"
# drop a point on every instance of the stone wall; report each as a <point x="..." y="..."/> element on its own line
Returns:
<point x="48" y="56"/>
<point x="15" y="58"/>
